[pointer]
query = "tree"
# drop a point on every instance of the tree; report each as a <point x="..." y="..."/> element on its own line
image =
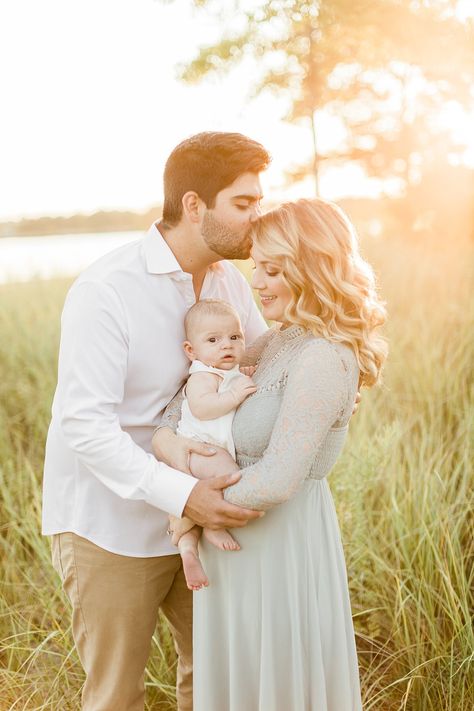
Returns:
<point x="382" y="66"/>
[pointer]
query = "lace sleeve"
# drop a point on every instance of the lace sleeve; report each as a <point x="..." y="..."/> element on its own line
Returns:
<point x="252" y="352"/>
<point x="172" y="413"/>
<point x="317" y="396"/>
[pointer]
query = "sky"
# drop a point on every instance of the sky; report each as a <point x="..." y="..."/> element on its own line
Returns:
<point x="92" y="106"/>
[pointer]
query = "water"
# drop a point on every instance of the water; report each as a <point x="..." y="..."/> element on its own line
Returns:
<point x="25" y="258"/>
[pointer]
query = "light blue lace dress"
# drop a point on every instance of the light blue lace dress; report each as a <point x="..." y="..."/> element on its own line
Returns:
<point x="273" y="631"/>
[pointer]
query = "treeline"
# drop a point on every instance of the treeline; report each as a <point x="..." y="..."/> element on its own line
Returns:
<point x="102" y="221"/>
<point x="439" y="208"/>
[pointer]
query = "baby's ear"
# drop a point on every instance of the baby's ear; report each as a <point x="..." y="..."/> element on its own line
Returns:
<point x="188" y="349"/>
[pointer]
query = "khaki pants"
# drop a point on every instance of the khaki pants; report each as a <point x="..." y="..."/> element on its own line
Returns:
<point x="115" y="601"/>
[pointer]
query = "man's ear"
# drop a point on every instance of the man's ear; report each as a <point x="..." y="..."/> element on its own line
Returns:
<point x="193" y="206"/>
<point x="188" y="349"/>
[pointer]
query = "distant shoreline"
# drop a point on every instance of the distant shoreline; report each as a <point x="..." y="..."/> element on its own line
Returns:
<point x="98" y="222"/>
<point x="71" y="231"/>
<point x="124" y="220"/>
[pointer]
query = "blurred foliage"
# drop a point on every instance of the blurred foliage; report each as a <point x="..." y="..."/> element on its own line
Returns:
<point x="385" y="69"/>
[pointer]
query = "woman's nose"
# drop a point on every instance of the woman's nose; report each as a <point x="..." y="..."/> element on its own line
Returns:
<point x="255" y="212"/>
<point x="256" y="281"/>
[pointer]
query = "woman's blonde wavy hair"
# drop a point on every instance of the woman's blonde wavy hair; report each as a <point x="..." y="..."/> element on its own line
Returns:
<point x="333" y="288"/>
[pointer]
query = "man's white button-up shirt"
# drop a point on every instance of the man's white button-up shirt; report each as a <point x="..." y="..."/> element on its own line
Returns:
<point x="120" y="362"/>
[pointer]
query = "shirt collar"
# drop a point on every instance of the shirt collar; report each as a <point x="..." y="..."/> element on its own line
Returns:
<point x="161" y="260"/>
<point x="159" y="257"/>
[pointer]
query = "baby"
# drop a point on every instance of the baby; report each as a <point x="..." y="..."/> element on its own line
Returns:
<point x="215" y="346"/>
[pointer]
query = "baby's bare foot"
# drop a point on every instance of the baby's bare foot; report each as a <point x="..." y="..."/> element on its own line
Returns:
<point x="194" y="573"/>
<point x="221" y="539"/>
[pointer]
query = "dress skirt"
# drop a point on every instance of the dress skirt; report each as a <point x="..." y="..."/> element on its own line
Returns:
<point x="273" y="631"/>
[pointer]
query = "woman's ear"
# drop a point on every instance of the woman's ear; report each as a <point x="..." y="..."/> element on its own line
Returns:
<point x="188" y="349"/>
<point x="192" y="206"/>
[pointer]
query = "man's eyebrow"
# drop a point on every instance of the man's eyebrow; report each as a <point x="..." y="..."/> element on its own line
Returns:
<point x="250" y="198"/>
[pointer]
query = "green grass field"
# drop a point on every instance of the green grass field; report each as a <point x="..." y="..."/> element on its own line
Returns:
<point x="403" y="491"/>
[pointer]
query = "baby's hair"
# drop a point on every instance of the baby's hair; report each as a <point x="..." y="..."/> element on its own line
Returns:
<point x="208" y="307"/>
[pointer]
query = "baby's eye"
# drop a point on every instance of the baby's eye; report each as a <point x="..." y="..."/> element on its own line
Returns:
<point x="235" y="337"/>
<point x="212" y="339"/>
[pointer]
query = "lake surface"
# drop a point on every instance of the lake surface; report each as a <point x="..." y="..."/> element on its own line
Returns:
<point x="25" y="258"/>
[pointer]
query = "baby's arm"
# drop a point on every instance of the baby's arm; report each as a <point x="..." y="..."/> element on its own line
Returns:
<point x="206" y="403"/>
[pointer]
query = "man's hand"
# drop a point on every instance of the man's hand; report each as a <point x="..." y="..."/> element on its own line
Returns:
<point x="247" y="370"/>
<point x="176" y="450"/>
<point x="207" y="507"/>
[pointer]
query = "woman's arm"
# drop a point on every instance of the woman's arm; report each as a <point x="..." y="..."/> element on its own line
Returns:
<point x="172" y="413"/>
<point x="316" y="396"/>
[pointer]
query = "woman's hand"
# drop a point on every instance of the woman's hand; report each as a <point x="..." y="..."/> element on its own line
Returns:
<point x="176" y="450"/>
<point x="242" y="388"/>
<point x="247" y="370"/>
<point x="178" y="527"/>
<point x="356" y="403"/>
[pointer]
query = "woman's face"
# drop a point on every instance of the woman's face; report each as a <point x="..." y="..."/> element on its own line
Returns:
<point x="267" y="279"/>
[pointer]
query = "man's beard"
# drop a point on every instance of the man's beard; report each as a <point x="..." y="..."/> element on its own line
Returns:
<point x="223" y="241"/>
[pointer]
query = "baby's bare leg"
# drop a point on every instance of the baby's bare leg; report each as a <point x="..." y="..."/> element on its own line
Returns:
<point x="194" y="573"/>
<point x="208" y="467"/>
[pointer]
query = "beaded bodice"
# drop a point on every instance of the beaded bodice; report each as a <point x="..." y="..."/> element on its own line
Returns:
<point x="294" y="426"/>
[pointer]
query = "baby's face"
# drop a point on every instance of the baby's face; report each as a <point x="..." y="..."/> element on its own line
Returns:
<point x="217" y="341"/>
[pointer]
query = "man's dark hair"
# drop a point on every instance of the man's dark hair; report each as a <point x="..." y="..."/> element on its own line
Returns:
<point x="206" y="164"/>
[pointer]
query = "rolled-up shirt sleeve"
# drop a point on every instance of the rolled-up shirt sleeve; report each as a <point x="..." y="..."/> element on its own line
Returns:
<point x="92" y="377"/>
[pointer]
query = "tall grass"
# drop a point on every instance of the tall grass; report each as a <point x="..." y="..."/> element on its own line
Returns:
<point x="403" y="490"/>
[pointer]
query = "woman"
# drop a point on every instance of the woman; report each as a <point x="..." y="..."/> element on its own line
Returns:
<point x="273" y="632"/>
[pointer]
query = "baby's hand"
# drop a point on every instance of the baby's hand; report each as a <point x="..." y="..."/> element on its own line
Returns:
<point x="247" y="370"/>
<point x="242" y="388"/>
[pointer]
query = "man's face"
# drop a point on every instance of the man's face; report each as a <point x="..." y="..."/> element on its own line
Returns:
<point x="225" y="227"/>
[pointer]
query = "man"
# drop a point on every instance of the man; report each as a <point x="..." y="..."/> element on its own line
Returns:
<point x="106" y="498"/>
